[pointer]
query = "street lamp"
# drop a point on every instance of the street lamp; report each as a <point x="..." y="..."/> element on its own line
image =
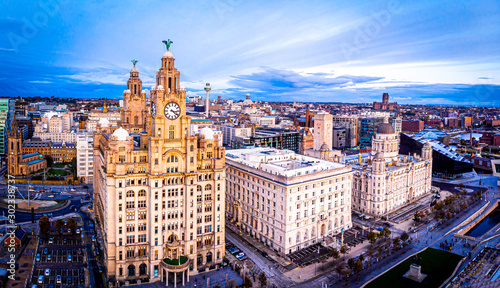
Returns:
<point x="207" y="104"/>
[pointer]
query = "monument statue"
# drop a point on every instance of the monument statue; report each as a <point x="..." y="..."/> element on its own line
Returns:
<point x="168" y="43"/>
<point x="134" y="61"/>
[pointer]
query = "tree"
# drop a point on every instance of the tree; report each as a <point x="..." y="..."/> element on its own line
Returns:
<point x="358" y="266"/>
<point x="72" y="225"/>
<point x="344" y="250"/>
<point x="395" y="241"/>
<point x="404" y="236"/>
<point x="351" y="262"/>
<point x="387" y="232"/>
<point x="418" y="216"/>
<point x="340" y="268"/>
<point x="262" y="279"/>
<point x="50" y="160"/>
<point x="44" y="225"/>
<point x="59" y="224"/>
<point x="232" y="283"/>
<point x="362" y="257"/>
<point x="334" y="253"/>
<point x="247" y="283"/>
<point x="372" y="237"/>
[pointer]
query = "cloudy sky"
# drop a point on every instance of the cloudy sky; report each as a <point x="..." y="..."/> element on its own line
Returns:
<point x="420" y="52"/>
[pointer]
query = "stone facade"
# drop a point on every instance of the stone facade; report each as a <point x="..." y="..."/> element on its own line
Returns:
<point x="21" y="164"/>
<point x="159" y="201"/>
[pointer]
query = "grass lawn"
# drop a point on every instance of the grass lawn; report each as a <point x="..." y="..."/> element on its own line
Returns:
<point x="59" y="165"/>
<point x="57" y="172"/>
<point x="436" y="264"/>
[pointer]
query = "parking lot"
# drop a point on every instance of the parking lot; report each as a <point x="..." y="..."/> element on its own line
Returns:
<point x="60" y="261"/>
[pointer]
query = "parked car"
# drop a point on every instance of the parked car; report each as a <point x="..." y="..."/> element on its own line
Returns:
<point x="45" y="251"/>
<point x="51" y="240"/>
<point x="58" y="279"/>
<point x="40" y="279"/>
<point x="241" y="256"/>
<point x="263" y="253"/>
<point x="70" y="280"/>
<point x="65" y="241"/>
<point x="51" y="196"/>
<point x="49" y="257"/>
<point x="37" y="256"/>
<point x="79" y="251"/>
<point x="69" y="257"/>
<point x="100" y="269"/>
<point x="47" y="272"/>
<point x="78" y="231"/>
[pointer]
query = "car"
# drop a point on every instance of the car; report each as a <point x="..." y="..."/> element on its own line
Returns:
<point x="51" y="196"/>
<point x="65" y="241"/>
<point x="33" y="286"/>
<point x="45" y="251"/>
<point x="241" y="256"/>
<point x="72" y="190"/>
<point x="93" y="238"/>
<point x="97" y="250"/>
<point x="79" y="251"/>
<point x="40" y="279"/>
<point x="47" y="272"/>
<point x="37" y="257"/>
<point x="235" y="251"/>
<point x="70" y="197"/>
<point x="82" y="279"/>
<point x="49" y="257"/>
<point x="41" y="241"/>
<point x="264" y="254"/>
<point x="69" y="280"/>
<point x="380" y="229"/>
<point x="100" y="269"/>
<point x="51" y="240"/>
<point x="58" y="279"/>
<point x="69" y="230"/>
<point x="78" y="231"/>
<point x="69" y="257"/>
<point x="82" y="235"/>
<point x="32" y="195"/>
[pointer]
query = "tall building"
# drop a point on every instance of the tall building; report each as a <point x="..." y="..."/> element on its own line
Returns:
<point x="339" y="137"/>
<point x="159" y="200"/>
<point x="85" y="158"/>
<point x="269" y="137"/>
<point x="368" y="127"/>
<point x="323" y="125"/>
<point x="7" y="109"/>
<point x="351" y="124"/>
<point x="387" y="181"/>
<point x="286" y="200"/>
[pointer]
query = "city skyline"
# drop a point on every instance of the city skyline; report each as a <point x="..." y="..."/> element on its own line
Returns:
<point x="419" y="53"/>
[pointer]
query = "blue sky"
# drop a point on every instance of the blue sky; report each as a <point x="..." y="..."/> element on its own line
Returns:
<point x="420" y="52"/>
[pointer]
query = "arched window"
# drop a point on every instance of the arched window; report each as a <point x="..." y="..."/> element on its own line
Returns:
<point x="142" y="269"/>
<point x="130" y="193"/>
<point x="208" y="187"/>
<point x="142" y="193"/>
<point x="198" y="188"/>
<point x="131" y="270"/>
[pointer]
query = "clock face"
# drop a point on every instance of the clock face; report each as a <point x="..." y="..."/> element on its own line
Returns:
<point x="172" y="111"/>
<point x="153" y="109"/>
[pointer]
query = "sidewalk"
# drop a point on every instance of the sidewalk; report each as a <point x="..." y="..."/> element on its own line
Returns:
<point x="273" y="255"/>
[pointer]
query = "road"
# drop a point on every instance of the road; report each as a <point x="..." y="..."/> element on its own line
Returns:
<point x="268" y="267"/>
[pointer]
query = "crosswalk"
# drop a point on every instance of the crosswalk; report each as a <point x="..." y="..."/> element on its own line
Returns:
<point x="37" y="196"/>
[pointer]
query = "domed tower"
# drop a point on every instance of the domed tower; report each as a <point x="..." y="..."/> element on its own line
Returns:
<point x="378" y="163"/>
<point x="427" y="151"/>
<point x="386" y="141"/>
<point x="323" y="151"/>
<point x="134" y="110"/>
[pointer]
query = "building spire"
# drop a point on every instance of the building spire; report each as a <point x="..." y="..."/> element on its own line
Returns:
<point x="104" y="108"/>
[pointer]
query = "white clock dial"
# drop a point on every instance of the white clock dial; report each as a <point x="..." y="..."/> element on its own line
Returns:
<point x="153" y="109"/>
<point x="172" y="111"/>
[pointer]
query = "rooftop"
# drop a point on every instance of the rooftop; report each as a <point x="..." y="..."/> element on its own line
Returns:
<point x="280" y="162"/>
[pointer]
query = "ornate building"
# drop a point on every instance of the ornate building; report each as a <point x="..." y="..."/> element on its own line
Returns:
<point x="387" y="181"/>
<point x="21" y="164"/>
<point x="159" y="201"/>
<point x="385" y="105"/>
<point x="134" y="103"/>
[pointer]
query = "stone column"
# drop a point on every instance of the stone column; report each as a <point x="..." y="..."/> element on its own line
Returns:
<point x="167" y="278"/>
<point x="183" y="277"/>
<point x="175" y="279"/>
<point x="187" y="271"/>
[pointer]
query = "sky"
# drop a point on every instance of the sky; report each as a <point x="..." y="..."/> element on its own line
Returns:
<point x="420" y="52"/>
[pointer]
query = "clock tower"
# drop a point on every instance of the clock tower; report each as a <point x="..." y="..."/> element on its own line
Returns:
<point x="134" y="103"/>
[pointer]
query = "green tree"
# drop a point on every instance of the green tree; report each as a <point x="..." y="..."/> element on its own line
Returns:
<point x="72" y="225"/>
<point x="340" y="268"/>
<point x="262" y="279"/>
<point x="372" y="237"/>
<point x="358" y="266"/>
<point x="44" y="225"/>
<point x="362" y="257"/>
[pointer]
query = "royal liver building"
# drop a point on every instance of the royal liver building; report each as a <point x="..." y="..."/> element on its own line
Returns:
<point x="159" y="190"/>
